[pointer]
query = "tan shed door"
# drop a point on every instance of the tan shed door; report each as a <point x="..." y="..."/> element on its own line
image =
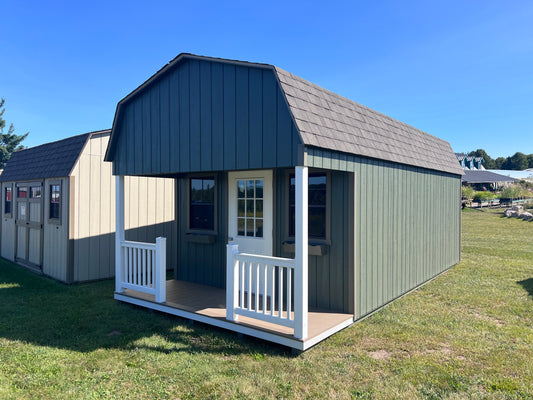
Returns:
<point x="29" y="223"/>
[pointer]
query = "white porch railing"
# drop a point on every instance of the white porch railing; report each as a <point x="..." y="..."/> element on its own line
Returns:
<point x="259" y="287"/>
<point x="273" y="289"/>
<point x="142" y="267"/>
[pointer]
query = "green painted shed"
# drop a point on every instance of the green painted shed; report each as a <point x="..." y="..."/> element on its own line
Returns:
<point x="261" y="156"/>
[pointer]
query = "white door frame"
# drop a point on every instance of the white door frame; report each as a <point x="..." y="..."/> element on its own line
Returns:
<point x="264" y="245"/>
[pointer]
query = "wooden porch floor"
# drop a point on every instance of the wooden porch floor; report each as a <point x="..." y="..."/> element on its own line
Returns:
<point x="208" y="304"/>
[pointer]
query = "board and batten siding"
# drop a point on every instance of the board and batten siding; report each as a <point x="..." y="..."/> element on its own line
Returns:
<point x="55" y="235"/>
<point x="203" y="263"/>
<point x="149" y="212"/>
<point x="408" y="225"/>
<point x="205" y="116"/>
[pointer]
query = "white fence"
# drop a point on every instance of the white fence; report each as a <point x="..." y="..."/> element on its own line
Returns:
<point x="259" y="287"/>
<point x="142" y="267"/>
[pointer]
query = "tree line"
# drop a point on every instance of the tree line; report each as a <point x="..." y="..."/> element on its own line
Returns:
<point x="9" y="141"/>
<point x="518" y="161"/>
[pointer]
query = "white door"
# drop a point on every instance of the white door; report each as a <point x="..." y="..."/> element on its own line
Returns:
<point x="250" y="211"/>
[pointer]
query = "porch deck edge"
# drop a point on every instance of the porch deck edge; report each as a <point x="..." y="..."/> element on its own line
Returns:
<point x="235" y="327"/>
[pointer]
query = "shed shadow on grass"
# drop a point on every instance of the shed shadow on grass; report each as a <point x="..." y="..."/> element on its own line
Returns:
<point x="528" y="285"/>
<point x="85" y="317"/>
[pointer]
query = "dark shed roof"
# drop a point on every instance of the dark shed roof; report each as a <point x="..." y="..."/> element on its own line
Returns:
<point x="329" y="121"/>
<point x="475" y="176"/>
<point x="50" y="160"/>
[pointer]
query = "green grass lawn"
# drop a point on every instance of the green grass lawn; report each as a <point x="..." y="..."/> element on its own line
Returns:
<point x="467" y="334"/>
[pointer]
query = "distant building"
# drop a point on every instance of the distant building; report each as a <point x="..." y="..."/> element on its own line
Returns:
<point x="526" y="175"/>
<point x="478" y="177"/>
<point x="470" y="162"/>
<point x="486" y="180"/>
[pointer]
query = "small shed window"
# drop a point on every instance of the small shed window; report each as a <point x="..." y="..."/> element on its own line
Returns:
<point x="202" y="204"/>
<point x="55" y="202"/>
<point x="22" y="192"/>
<point x="35" y="192"/>
<point x="8" y="201"/>
<point x="317" y="199"/>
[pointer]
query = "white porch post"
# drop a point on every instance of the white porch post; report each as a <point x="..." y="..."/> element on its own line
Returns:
<point x="119" y="232"/>
<point x="301" y="255"/>
<point x="232" y="281"/>
<point x="161" y="269"/>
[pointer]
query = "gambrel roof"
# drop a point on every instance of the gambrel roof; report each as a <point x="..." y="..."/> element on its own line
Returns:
<point x="326" y="120"/>
<point x="330" y="121"/>
<point x="50" y="160"/>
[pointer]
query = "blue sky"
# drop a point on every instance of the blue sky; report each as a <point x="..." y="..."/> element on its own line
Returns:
<point x="460" y="70"/>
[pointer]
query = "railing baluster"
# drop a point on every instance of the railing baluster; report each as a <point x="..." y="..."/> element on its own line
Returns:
<point x="280" y="293"/>
<point x="124" y="264"/>
<point x="144" y="251"/>
<point x="130" y="266"/>
<point x="264" y="268"/>
<point x="249" y="285"/>
<point x="241" y="268"/>
<point x="150" y="268"/>
<point x="154" y="266"/>
<point x="257" y="287"/>
<point x="289" y="293"/>
<point x="273" y="291"/>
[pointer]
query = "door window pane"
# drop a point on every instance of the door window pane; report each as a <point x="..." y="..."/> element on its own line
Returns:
<point x="250" y="205"/>
<point x="35" y="192"/>
<point x="22" y="192"/>
<point x="250" y="189"/>
<point x="250" y="227"/>
<point x="202" y="204"/>
<point x="240" y="207"/>
<point x="259" y="227"/>
<point x="7" y="201"/>
<point x="240" y="189"/>
<point x="259" y="208"/>
<point x="240" y="226"/>
<point x="259" y="189"/>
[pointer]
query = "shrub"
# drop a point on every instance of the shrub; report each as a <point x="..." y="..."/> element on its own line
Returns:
<point x="467" y="192"/>
<point x="515" y="192"/>
<point x="483" y="196"/>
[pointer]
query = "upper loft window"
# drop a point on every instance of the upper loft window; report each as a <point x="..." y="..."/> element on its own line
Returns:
<point x="8" y="201"/>
<point x="317" y="200"/>
<point x="202" y="204"/>
<point x="55" y="202"/>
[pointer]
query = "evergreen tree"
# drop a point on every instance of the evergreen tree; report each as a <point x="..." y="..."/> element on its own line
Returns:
<point x="518" y="161"/>
<point x="9" y="142"/>
<point x="498" y="163"/>
<point x="530" y="161"/>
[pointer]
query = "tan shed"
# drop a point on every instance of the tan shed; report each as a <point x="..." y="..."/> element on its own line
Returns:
<point x="58" y="209"/>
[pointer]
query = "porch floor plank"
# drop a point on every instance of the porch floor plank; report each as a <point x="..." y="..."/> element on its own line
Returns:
<point x="211" y="302"/>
